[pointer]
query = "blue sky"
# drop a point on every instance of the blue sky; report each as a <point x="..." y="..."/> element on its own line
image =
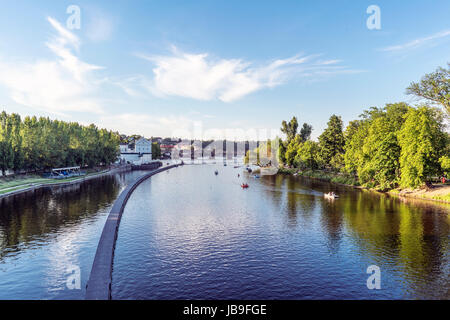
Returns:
<point x="162" y="68"/>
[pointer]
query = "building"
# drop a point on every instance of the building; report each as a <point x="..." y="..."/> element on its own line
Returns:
<point x="141" y="153"/>
<point x="166" y="150"/>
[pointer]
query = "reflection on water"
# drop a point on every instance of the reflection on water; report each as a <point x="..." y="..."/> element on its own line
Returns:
<point x="45" y="232"/>
<point x="188" y="234"/>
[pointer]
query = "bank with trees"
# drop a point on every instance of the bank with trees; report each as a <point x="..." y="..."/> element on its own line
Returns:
<point x="396" y="146"/>
<point x="38" y="144"/>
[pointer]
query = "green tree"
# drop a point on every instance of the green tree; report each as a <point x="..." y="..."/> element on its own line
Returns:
<point x="290" y="129"/>
<point x="292" y="149"/>
<point x="6" y="150"/>
<point x="305" y="132"/>
<point x="422" y="141"/>
<point x="281" y="151"/>
<point x="445" y="165"/>
<point x="332" y="142"/>
<point x="156" y="151"/>
<point x="434" y="87"/>
<point x="307" y="155"/>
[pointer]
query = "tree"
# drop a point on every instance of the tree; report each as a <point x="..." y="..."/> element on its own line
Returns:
<point x="6" y="150"/>
<point x="290" y="129"/>
<point x="156" y="151"/>
<point x="434" y="87"/>
<point x="332" y="141"/>
<point x="381" y="153"/>
<point x="307" y="155"/>
<point x="445" y="165"/>
<point x="292" y="149"/>
<point x="281" y="151"/>
<point x="305" y="132"/>
<point x="422" y="141"/>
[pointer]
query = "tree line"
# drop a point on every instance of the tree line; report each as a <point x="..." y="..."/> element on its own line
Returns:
<point x="395" y="146"/>
<point x="38" y="144"/>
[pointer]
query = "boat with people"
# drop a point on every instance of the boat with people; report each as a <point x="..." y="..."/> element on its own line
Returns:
<point x="216" y="172"/>
<point x="331" y="195"/>
<point x="244" y="186"/>
<point x="256" y="176"/>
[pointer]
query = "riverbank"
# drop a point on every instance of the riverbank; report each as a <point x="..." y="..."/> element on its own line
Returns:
<point x="439" y="193"/>
<point x="10" y="187"/>
<point x="340" y="179"/>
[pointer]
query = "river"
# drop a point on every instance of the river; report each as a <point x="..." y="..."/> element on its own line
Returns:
<point x="189" y="234"/>
<point x="47" y="234"/>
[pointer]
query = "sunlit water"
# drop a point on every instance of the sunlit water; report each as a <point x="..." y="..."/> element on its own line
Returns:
<point x="188" y="234"/>
<point x="46" y="234"/>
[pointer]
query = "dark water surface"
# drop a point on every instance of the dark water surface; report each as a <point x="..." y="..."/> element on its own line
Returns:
<point x="188" y="234"/>
<point x="46" y="234"/>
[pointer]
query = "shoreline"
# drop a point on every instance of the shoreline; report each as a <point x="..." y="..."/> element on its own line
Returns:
<point x="33" y="187"/>
<point x="410" y="194"/>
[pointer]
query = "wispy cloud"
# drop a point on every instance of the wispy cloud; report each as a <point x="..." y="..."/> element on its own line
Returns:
<point x="147" y="125"/>
<point x="201" y="77"/>
<point x="57" y="85"/>
<point x="418" y="42"/>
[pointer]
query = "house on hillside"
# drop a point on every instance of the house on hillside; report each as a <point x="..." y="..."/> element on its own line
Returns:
<point x="140" y="153"/>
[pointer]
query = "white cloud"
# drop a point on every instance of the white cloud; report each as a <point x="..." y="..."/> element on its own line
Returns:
<point x="184" y="126"/>
<point x="417" y="42"/>
<point x="148" y="125"/>
<point x="198" y="76"/>
<point x="62" y="84"/>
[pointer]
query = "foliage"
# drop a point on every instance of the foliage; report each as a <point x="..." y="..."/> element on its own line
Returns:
<point x="38" y="144"/>
<point x="156" y="151"/>
<point x="332" y="141"/>
<point x="434" y="87"/>
<point x="445" y="165"/>
<point x="422" y="141"/>
<point x="307" y="155"/>
<point x="305" y="132"/>
<point x="290" y="129"/>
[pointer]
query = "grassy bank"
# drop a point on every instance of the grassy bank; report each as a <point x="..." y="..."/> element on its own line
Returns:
<point x="437" y="193"/>
<point x="14" y="183"/>
<point x="322" y="175"/>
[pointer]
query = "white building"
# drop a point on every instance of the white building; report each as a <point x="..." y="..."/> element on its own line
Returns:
<point x="140" y="154"/>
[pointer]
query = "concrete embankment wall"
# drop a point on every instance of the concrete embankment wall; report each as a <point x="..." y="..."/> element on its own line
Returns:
<point x="99" y="284"/>
<point x="37" y="186"/>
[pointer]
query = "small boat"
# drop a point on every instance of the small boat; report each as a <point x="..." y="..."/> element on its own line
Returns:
<point x="216" y="172"/>
<point x="244" y="186"/>
<point x="249" y="170"/>
<point x="256" y="176"/>
<point x="330" y="195"/>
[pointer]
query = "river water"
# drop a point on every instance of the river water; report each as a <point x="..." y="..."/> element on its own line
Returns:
<point x="189" y="234"/>
<point x="48" y="235"/>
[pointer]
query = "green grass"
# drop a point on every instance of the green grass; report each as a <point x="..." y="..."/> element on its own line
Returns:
<point x="10" y="190"/>
<point x="9" y="184"/>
